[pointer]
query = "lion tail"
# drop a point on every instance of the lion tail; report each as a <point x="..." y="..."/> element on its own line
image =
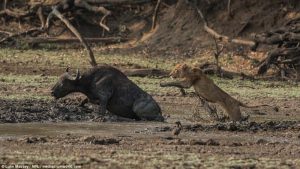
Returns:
<point x="253" y="106"/>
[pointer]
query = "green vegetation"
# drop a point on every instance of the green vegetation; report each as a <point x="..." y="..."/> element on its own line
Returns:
<point x="78" y="59"/>
<point x="37" y="86"/>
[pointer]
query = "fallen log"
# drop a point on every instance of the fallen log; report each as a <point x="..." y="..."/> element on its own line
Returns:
<point x="288" y="53"/>
<point x="277" y="38"/>
<point x="145" y="72"/>
<point x="15" y="14"/>
<point x="39" y="40"/>
<point x="27" y="32"/>
<point x="6" y="32"/>
<point x="227" y="39"/>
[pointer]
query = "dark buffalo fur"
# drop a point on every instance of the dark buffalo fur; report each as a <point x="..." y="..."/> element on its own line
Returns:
<point x="112" y="90"/>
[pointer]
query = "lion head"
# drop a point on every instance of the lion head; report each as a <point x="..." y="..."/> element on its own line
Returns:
<point x="185" y="71"/>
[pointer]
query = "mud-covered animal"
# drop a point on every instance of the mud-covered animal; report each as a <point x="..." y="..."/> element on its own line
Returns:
<point x="112" y="90"/>
<point x="207" y="89"/>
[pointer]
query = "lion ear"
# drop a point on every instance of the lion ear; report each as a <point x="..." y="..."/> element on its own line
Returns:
<point x="196" y="71"/>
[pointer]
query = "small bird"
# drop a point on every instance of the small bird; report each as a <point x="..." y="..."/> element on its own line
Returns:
<point x="177" y="128"/>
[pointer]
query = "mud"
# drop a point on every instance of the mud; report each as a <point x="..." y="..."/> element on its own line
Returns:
<point x="238" y="127"/>
<point x="41" y="132"/>
<point x="25" y="111"/>
<point x="116" y="145"/>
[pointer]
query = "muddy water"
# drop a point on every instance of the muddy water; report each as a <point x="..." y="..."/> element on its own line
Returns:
<point x="80" y="129"/>
<point x="148" y="130"/>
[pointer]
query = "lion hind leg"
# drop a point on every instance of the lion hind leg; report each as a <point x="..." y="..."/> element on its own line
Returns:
<point x="233" y="111"/>
<point x="236" y="113"/>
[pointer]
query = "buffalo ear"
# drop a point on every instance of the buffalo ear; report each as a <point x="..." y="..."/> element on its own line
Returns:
<point x="77" y="75"/>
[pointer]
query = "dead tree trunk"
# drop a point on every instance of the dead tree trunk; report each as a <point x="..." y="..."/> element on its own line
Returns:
<point x="154" y="18"/>
<point x="217" y="54"/>
<point x="229" y="11"/>
<point x="75" y="32"/>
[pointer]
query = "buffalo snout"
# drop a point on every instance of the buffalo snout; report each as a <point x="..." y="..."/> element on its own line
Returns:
<point x="54" y="95"/>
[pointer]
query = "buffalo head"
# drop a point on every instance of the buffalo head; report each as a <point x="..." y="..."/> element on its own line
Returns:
<point x="65" y="85"/>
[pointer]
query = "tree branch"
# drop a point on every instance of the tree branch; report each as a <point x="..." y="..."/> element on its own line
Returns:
<point x="229" y="8"/>
<point x="84" y="4"/>
<point x="274" y="55"/>
<point x="75" y="32"/>
<point x="30" y="31"/>
<point x="223" y="38"/>
<point x="154" y="18"/>
<point x="227" y="39"/>
<point x="39" y="40"/>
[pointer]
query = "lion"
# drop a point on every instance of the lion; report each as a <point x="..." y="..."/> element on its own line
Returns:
<point x="207" y="89"/>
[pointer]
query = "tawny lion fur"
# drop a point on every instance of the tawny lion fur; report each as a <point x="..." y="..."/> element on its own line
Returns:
<point x="206" y="88"/>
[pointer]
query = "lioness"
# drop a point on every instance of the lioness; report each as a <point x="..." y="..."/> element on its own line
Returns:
<point x="206" y="88"/>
